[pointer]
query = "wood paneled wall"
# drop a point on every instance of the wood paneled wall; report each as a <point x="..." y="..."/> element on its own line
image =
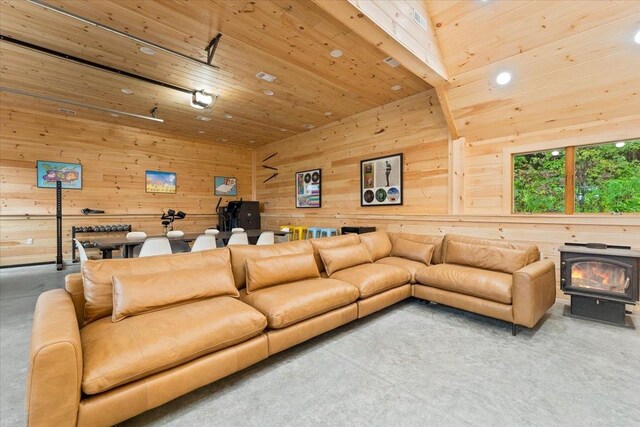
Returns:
<point x="414" y="126"/>
<point x="114" y="160"/>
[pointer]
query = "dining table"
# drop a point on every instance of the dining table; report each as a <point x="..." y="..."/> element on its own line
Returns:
<point x="108" y="244"/>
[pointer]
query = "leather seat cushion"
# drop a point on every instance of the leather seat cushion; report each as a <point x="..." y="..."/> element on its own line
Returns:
<point x="136" y="347"/>
<point x="285" y="305"/>
<point x="407" y="264"/>
<point x="487" y="284"/>
<point x="371" y="279"/>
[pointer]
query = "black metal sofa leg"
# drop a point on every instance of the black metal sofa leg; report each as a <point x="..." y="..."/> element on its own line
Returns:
<point x="514" y="329"/>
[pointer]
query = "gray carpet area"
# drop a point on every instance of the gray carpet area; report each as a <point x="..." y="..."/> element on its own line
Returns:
<point x="411" y="364"/>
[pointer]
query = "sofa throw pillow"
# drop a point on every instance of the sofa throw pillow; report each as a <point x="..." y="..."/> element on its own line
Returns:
<point x="97" y="275"/>
<point x="135" y="294"/>
<point x="276" y="270"/>
<point x="336" y="259"/>
<point x="378" y="244"/>
<point x="487" y="257"/>
<point x="421" y="252"/>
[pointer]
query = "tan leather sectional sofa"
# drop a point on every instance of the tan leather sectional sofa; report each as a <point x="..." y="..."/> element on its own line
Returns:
<point x="129" y="335"/>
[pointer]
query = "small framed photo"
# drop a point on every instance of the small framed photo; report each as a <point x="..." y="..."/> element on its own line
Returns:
<point x="225" y="186"/>
<point x="381" y="181"/>
<point x="160" y="182"/>
<point x="309" y="189"/>
<point x="48" y="173"/>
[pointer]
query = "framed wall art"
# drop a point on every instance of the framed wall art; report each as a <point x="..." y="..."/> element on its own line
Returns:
<point x="309" y="189"/>
<point x="225" y="186"/>
<point x="48" y="173"/>
<point x="160" y="182"/>
<point x="381" y="181"/>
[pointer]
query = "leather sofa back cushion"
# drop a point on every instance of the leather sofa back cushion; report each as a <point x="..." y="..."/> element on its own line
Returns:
<point x="378" y="244"/>
<point x="487" y="257"/>
<point x="421" y="252"/>
<point x="241" y="253"/>
<point x="336" y="259"/>
<point x="533" y="254"/>
<point x="422" y="238"/>
<point x="271" y="271"/>
<point x="140" y="293"/>
<point x="332" y="242"/>
<point x="97" y="275"/>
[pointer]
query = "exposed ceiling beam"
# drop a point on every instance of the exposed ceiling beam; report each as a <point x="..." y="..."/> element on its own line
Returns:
<point x="446" y="110"/>
<point x="391" y="28"/>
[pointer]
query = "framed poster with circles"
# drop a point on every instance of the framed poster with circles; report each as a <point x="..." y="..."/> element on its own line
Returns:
<point x="309" y="189"/>
<point x="381" y="181"/>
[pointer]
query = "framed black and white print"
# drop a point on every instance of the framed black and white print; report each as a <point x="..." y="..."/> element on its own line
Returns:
<point x="381" y="181"/>
<point x="309" y="189"/>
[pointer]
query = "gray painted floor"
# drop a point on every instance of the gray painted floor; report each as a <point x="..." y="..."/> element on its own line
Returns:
<point x="412" y="364"/>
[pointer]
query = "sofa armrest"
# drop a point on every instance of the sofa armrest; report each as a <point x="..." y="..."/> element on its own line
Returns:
<point x="75" y="287"/>
<point x="534" y="291"/>
<point x="55" y="362"/>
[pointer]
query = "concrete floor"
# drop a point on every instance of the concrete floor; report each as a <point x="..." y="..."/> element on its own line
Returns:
<point x="412" y="364"/>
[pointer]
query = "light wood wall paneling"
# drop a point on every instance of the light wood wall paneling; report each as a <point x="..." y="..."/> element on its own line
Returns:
<point x="114" y="161"/>
<point x="414" y="126"/>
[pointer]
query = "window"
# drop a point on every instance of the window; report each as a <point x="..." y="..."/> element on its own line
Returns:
<point x="602" y="178"/>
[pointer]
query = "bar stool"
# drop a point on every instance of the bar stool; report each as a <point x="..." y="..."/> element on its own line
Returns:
<point x="328" y="232"/>
<point x="314" y="231"/>
<point x="299" y="232"/>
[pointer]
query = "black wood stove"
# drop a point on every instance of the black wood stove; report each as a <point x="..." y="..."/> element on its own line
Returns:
<point x="601" y="279"/>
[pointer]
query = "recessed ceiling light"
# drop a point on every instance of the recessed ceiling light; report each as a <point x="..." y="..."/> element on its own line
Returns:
<point x="203" y="118"/>
<point x="266" y="76"/>
<point x="147" y="50"/>
<point x="555" y="153"/>
<point x="336" y="53"/>
<point x="127" y="91"/>
<point x="115" y="115"/>
<point x="503" y="78"/>
<point x="620" y="144"/>
<point x="396" y="87"/>
<point x="252" y="141"/>
<point x="308" y="126"/>
<point x="328" y="113"/>
<point x="637" y="37"/>
<point x="200" y="131"/>
<point x="283" y="130"/>
<point x="268" y="92"/>
<point x="223" y="139"/>
<point x="228" y="116"/>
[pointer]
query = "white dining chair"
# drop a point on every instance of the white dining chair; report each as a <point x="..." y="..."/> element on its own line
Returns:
<point x="155" y="246"/>
<point x="266" y="238"/>
<point x="175" y="233"/>
<point x="211" y="231"/>
<point x="237" y="230"/>
<point x="238" y="239"/>
<point x="136" y="235"/>
<point x="81" y="252"/>
<point x="204" y="243"/>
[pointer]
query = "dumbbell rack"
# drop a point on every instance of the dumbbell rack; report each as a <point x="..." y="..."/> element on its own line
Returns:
<point x="76" y="229"/>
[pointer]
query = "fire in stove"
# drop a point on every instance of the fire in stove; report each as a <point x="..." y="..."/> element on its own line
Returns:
<point x="599" y="275"/>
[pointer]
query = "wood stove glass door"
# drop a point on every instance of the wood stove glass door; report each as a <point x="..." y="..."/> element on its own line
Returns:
<point x="600" y="276"/>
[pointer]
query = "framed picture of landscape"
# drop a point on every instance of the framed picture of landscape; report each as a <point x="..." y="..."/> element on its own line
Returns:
<point x="160" y="182"/>
<point x="381" y="181"/>
<point x="309" y="189"/>
<point x="48" y="173"/>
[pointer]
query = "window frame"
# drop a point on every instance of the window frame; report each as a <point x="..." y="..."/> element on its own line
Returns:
<point x="567" y="144"/>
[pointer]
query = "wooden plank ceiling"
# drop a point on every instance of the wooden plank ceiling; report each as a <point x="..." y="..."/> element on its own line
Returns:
<point x="572" y="62"/>
<point x="289" y="39"/>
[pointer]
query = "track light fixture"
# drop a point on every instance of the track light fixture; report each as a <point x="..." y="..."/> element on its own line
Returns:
<point x="201" y="100"/>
